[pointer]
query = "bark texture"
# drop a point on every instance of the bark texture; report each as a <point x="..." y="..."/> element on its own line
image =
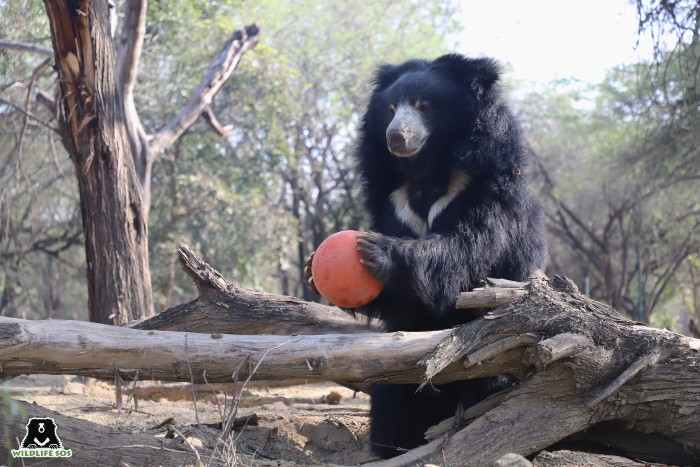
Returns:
<point x="93" y="122"/>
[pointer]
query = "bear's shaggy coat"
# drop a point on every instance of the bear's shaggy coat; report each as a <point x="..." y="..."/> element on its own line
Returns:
<point x="443" y="173"/>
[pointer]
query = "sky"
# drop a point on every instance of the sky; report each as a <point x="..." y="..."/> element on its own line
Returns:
<point x="544" y="40"/>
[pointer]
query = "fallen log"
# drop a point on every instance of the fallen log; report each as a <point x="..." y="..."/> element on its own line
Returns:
<point x="227" y="308"/>
<point x="90" y="349"/>
<point x="584" y="370"/>
<point x="102" y="351"/>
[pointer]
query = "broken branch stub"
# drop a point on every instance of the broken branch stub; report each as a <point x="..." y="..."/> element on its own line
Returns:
<point x="223" y="307"/>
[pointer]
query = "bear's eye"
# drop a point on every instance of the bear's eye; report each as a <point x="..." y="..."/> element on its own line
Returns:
<point x="392" y="109"/>
<point x="423" y="106"/>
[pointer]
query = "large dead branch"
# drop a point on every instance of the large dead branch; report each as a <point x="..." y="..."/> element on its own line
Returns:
<point x="589" y="369"/>
<point x="99" y="351"/>
<point x="240" y="42"/>
<point x="226" y="308"/>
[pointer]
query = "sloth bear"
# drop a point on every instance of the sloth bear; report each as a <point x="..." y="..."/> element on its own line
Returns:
<point x="443" y="177"/>
<point x="41" y="433"/>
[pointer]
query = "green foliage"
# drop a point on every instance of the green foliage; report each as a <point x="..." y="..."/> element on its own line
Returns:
<point x="663" y="319"/>
<point x="617" y="166"/>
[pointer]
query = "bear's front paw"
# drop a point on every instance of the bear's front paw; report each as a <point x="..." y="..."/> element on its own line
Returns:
<point x="376" y="254"/>
<point x="53" y="446"/>
<point x="307" y="272"/>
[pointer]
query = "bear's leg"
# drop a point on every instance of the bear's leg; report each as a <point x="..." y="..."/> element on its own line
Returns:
<point x="400" y="414"/>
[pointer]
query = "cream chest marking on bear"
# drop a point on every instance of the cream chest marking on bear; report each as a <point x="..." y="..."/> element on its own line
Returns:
<point x="419" y="226"/>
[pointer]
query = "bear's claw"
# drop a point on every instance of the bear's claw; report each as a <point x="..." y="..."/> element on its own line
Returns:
<point x="376" y="254"/>
<point x="308" y="274"/>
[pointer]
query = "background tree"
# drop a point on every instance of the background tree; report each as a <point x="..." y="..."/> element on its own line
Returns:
<point x="96" y="115"/>
<point x="612" y="221"/>
<point x="92" y="124"/>
<point x="42" y="270"/>
<point x="621" y="178"/>
<point x="675" y="30"/>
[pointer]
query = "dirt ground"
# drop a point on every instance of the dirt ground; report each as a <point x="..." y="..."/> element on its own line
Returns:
<point x="275" y="424"/>
<point x="290" y="424"/>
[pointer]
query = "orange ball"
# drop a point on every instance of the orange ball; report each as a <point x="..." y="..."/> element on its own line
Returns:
<point x="338" y="274"/>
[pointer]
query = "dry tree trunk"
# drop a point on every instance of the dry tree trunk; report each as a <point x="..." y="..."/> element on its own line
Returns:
<point x="116" y="232"/>
<point x="109" y="146"/>
<point x="588" y="377"/>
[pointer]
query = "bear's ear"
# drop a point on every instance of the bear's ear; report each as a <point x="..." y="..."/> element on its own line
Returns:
<point x="481" y="71"/>
<point x="386" y="74"/>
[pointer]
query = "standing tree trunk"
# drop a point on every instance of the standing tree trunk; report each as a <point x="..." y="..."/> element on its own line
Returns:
<point x="110" y="148"/>
<point x="92" y="119"/>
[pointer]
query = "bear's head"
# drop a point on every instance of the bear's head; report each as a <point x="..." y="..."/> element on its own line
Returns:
<point x="41" y="433"/>
<point x="422" y="107"/>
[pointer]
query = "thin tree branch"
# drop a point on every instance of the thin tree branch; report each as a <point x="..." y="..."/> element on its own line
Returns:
<point x="28" y="114"/>
<point x="241" y="42"/>
<point x="126" y="70"/>
<point x="215" y="124"/>
<point x="638" y="366"/>
<point x="45" y="99"/>
<point x="11" y="45"/>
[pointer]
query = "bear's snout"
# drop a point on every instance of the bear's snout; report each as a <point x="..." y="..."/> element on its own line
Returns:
<point x="407" y="132"/>
<point x="396" y="141"/>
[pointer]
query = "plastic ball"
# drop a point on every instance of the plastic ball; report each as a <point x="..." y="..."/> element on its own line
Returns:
<point x="340" y="276"/>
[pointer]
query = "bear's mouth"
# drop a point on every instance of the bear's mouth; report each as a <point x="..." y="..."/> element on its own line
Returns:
<point x="407" y="151"/>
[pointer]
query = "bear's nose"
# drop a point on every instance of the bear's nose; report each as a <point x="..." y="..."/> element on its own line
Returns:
<point x="396" y="141"/>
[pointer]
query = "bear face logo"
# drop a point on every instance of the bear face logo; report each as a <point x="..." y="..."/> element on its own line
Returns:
<point x="41" y="434"/>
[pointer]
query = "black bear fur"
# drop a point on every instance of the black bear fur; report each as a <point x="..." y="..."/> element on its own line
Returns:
<point x="41" y="434"/>
<point x="443" y="177"/>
